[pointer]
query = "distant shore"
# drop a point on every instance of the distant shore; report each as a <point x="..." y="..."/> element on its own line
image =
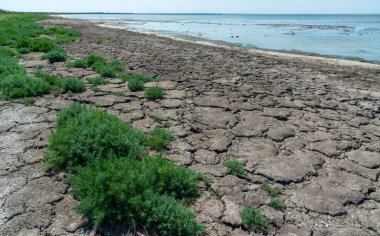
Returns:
<point x="278" y="53"/>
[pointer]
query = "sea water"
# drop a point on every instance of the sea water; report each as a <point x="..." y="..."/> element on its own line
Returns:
<point x="342" y="36"/>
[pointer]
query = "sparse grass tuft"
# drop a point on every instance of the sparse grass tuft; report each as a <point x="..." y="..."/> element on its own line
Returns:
<point x="57" y="55"/>
<point x="154" y="93"/>
<point x="28" y="101"/>
<point x="135" y="85"/>
<point x="141" y="77"/>
<point x="277" y="204"/>
<point x="73" y="85"/>
<point x="271" y="190"/>
<point x="53" y="80"/>
<point x="79" y="63"/>
<point x="97" y="81"/>
<point x="254" y="219"/>
<point x="158" y="139"/>
<point x="235" y="168"/>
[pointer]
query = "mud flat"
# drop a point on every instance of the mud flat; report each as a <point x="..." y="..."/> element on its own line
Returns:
<point x="307" y="126"/>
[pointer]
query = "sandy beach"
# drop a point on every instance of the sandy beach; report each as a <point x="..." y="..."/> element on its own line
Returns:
<point x="308" y="125"/>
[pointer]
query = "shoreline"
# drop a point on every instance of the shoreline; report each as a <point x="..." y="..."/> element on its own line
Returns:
<point x="267" y="52"/>
<point x="315" y="57"/>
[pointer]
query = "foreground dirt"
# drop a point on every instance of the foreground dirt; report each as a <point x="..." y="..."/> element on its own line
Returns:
<point x="311" y="129"/>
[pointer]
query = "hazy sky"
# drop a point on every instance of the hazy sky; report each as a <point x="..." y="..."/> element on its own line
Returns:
<point x="196" y="6"/>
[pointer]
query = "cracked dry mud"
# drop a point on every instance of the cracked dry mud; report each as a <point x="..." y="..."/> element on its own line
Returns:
<point x="309" y="128"/>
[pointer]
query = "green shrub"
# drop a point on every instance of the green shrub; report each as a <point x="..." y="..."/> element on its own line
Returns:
<point x="135" y="85"/>
<point x="167" y="216"/>
<point x="235" y="168"/>
<point x="130" y="191"/>
<point x="97" y="81"/>
<point x="78" y="64"/>
<point x="6" y="52"/>
<point x="73" y="85"/>
<point x="95" y="89"/>
<point x="42" y="45"/>
<point x="63" y="35"/>
<point x="84" y="134"/>
<point x="28" y="101"/>
<point x="143" y="78"/>
<point x="53" y="80"/>
<point x="117" y="65"/>
<point x="92" y="59"/>
<point x="107" y="72"/>
<point x="10" y="66"/>
<point x="56" y="55"/>
<point x="15" y="86"/>
<point x="24" y="43"/>
<point x="158" y="138"/>
<point x="253" y="219"/>
<point x="98" y="66"/>
<point x="277" y="204"/>
<point x="99" y="41"/>
<point x="23" y="50"/>
<point x="271" y="190"/>
<point x="154" y="93"/>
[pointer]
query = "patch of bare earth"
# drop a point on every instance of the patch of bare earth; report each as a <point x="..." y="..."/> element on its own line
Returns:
<point x="313" y="130"/>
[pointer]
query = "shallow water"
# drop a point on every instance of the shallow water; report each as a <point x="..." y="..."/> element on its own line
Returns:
<point x="343" y="36"/>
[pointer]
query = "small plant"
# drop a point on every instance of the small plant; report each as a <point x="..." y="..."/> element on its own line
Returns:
<point x="253" y="219"/>
<point x="135" y="85"/>
<point x="215" y="193"/>
<point x="158" y="138"/>
<point x="40" y="66"/>
<point x="136" y="118"/>
<point x="271" y="190"/>
<point x="235" y="168"/>
<point x="53" y="80"/>
<point x="56" y="90"/>
<point x="277" y="204"/>
<point x="97" y="81"/>
<point x="120" y="94"/>
<point x="95" y="89"/>
<point x="73" y="85"/>
<point x="17" y="86"/>
<point x="92" y="59"/>
<point x="143" y="78"/>
<point x="42" y="45"/>
<point x="99" y="41"/>
<point x="238" y="117"/>
<point x="117" y="65"/>
<point x="154" y="93"/>
<point x="158" y="119"/>
<point x="28" y="101"/>
<point x="23" y="50"/>
<point x="56" y="55"/>
<point x="80" y="63"/>
<point x="107" y="72"/>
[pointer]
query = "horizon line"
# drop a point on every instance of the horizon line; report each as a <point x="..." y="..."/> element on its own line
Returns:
<point x="186" y="13"/>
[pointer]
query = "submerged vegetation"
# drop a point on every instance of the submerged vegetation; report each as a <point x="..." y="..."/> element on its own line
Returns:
<point x="115" y="179"/>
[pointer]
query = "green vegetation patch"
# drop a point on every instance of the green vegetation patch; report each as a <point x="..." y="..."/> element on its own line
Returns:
<point x="73" y="85"/>
<point x="158" y="139"/>
<point x="80" y="63"/>
<point x="271" y="190"/>
<point x="97" y="81"/>
<point x="135" y="85"/>
<point x="57" y="55"/>
<point x="16" y="86"/>
<point x="114" y="179"/>
<point x="254" y="219"/>
<point x="141" y="77"/>
<point x="277" y="204"/>
<point x="235" y="168"/>
<point x="154" y="93"/>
